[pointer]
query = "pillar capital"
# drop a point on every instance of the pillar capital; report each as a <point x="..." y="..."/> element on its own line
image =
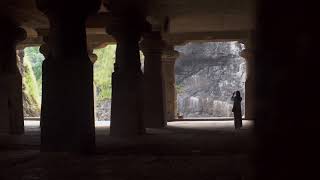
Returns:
<point x="247" y="54"/>
<point x="250" y="46"/>
<point x="68" y="8"/>
<point x="169" y="54"/>
<point x="125" y="7"/>
<point x="93" y="57"/>
<point x="152" y="43"/>
<point x="44" y="48"/>
<point x="124" y="28"/>
<point x="126" y="22"/>
<point x="20" y="34"/>
<point x="13" y="33"/>
<point x="67" y="33"/>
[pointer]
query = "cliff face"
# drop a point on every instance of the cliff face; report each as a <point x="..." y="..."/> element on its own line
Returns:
<point x="206" y="76"/>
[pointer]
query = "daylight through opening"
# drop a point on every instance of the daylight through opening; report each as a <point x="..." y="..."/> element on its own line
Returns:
<point x="207" y="74"/>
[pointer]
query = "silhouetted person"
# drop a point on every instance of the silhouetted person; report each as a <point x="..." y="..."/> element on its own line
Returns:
<point x="236" y="98"/>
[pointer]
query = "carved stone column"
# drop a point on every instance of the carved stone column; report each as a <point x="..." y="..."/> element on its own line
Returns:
<point x="93" y="58"/>
<point x="247" y="54"/>
<point x="44" y="48"/>
<point x="67" y="117"/>
<point x="169" y="57"/>
<point x="126" y="26"/>
<point x="11" y="106"/>
<point x="153" y="114"/>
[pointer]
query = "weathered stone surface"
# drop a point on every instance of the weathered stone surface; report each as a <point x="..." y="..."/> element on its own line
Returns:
<point x="67" y="74"/>
<point x="169" y="58"/>
<point x="152" y="46"/>
<point x="10" y="79"/>
<point x="127" y="78"/>
<point x="207" y="74"/>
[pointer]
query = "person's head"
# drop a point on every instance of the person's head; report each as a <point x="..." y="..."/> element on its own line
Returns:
<point x="237" y="93"/>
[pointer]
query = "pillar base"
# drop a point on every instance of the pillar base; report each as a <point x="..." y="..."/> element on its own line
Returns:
<point x="126" y="113"/>
<point x="249" y="100"/>
<point x="11" y="108"/>
<point x="67" y="115"/>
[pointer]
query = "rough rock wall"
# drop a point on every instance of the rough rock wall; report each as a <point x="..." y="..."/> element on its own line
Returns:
<point x="206" y="75"/>
<point x="103" y="110"/>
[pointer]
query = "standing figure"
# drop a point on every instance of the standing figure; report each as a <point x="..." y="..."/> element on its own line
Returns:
<point x="236" y="98"/>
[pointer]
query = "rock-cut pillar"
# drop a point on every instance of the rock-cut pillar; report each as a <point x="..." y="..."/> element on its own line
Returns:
<point x="169" y="58"/>
<point x="11" y="106"/>
<point x="153" y="111"/>
<point x="67" y="114"/>
<point x="93" y="58"/>
<point x="247" y="54"/>
<point x="127" y="78"/>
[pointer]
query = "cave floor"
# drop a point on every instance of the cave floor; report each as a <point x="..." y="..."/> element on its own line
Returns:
<point x="183" y="150"/>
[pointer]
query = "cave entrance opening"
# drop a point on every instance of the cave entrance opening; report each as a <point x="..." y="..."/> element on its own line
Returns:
<point x="102" y="76"/>
<point x="207" y="74"/>
<point x="30" y="65"/>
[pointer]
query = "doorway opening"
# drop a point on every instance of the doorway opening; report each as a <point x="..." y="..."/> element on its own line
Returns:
<point x="30" y="66"/>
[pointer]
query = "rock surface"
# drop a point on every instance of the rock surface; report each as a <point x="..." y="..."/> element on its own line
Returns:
<point x="31" y="101"/>
<point x="103" y="110"/>
<point x="206" y="76"/>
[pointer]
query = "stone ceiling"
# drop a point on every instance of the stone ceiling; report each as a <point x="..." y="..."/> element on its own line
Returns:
<point x="187" y="20"/>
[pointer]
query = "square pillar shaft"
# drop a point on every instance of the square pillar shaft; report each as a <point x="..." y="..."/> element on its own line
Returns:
<point x="67" y="113"/>
<point x="11" y="106"/>
<point x="153" y="111"/>
<point x="127" y="78"/>
<point x="169" y="57"/>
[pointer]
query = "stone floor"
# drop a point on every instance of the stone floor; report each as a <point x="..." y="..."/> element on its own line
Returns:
<point x="183" y="150"/>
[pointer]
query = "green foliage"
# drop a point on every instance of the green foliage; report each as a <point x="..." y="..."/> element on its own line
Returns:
<point x="31" y="91"/>
<point x="103" y="69"/>
<point x="35" y="58"/>
<point x="179" y="88"/>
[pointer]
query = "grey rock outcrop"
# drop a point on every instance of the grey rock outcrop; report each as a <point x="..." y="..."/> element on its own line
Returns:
<point x="206" y="75"/>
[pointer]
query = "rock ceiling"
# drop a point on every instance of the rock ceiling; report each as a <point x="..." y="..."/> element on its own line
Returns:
<point x="187" y="20"/>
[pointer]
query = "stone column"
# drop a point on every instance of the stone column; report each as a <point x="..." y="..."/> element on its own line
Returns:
<point x="169" y="57"/>
<point x="11" y="106"/>
<point x="67" y="117"/>
<point x="127" y="78"/>
<point x="93" y="58"/>
<point x="44" y="48"/>
<point x="153" y="114"/>
<point x="247" y="54"/>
